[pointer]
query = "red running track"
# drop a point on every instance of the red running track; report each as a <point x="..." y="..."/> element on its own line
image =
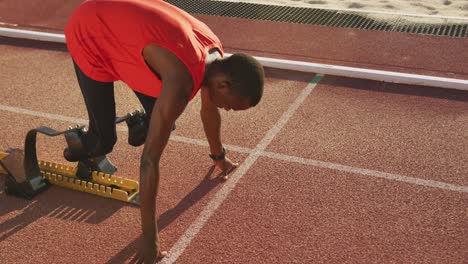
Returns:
<point x="361" y="171"/>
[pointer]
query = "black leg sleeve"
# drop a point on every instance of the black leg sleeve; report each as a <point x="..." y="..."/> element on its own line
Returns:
<point x="100" y="103"/>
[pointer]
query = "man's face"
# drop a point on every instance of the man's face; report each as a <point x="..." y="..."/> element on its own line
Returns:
<point x="221" y="95"/>
<point x="228" y="102"/>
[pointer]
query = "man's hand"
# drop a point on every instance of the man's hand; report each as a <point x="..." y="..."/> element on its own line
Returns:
<point x="148" y="254"/>
<point x="226" y="166"/>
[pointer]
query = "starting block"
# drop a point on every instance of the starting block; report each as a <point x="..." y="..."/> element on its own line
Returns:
<point x="26" y="176"/>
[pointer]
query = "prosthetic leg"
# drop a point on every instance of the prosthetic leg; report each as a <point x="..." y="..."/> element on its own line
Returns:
<point x="26" y="176"/>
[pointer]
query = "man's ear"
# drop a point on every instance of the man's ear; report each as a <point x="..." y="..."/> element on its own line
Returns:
<point x="224" y="85"/>
<point x="221" y="81"/>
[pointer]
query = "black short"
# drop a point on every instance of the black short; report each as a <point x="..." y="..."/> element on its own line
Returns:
<point x="100" y="103"/>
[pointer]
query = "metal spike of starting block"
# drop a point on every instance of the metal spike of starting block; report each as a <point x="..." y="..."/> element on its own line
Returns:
<point x="26" y="176"/>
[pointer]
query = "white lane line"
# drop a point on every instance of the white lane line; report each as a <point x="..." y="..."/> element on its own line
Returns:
<point x="316" y="163"/>
<point x="371" y="173"/>
<point x="43" y="115"/>
<point x="123" y="128"/>
<point x="288" y="114"/>
<point x="302" y="66"/>
<point x="335" y="166"/>
<point x="221" y="195"/>
<point x="204" y="143"/>
<point x="8" y="24"/>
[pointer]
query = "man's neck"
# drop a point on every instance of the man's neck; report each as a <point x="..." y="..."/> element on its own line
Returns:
<point x="212" y="56"/>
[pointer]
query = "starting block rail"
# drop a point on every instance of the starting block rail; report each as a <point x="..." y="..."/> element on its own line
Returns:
<point x="26" y="176"/>
<point x="104" y="185"/>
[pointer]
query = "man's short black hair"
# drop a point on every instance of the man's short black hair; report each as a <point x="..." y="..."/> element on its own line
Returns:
<point x="246" y="76"/>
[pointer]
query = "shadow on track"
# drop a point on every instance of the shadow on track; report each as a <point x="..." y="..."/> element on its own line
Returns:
<point x="56" y="202"/>
<point x="129" y="253"/>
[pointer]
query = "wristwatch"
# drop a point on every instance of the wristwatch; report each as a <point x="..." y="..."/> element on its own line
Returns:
<point x="220" y="156"/>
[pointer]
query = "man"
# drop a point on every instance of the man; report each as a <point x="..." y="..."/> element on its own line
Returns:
<point x="160" y="52"/>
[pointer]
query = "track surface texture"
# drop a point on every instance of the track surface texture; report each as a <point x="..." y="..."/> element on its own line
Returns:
<point x="332" y="170"/>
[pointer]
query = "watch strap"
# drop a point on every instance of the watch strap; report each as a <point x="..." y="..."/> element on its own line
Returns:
<point x="220" y="156"/>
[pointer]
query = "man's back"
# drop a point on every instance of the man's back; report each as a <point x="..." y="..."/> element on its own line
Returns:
<point x="106" y="39"/>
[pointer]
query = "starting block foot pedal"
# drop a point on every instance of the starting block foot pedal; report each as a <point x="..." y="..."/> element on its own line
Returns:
<point x="19" y="182"/>
<point x="86" y="167"/>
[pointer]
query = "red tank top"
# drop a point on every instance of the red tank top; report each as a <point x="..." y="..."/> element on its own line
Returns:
<point x="106" y="39"/>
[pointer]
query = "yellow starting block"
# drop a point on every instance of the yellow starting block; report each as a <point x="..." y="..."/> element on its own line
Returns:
<point x="26" y="176"/>
<point x="102" y="184"/>
<point x="2" y="155"/>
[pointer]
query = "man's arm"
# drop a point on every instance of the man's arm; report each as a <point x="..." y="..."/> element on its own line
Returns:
<point x="176" y="90"/>
<point x="211" y="119"/>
